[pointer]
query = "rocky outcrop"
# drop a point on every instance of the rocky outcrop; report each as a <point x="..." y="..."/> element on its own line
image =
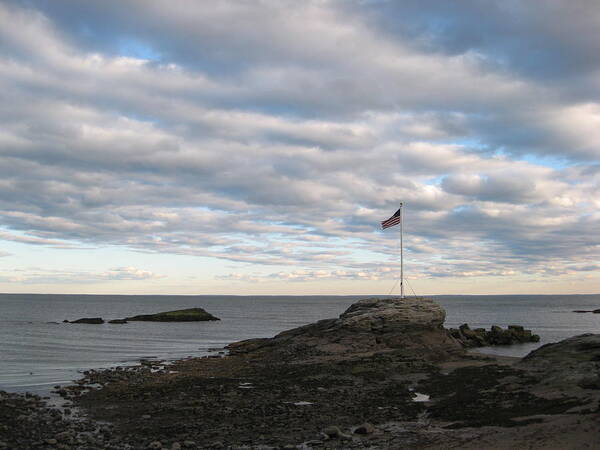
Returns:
<point x="480" y="337"/>
<point x="594" y="311"/>
<point x="181" y="315"/>
<point x="412" y="327"/>
<point x="92" y="320"/>
<point x="118" y="321"/>
<point x="575" y="360"/>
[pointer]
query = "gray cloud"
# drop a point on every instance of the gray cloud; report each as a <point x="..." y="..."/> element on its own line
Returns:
<point x="549" y="40"/>
<point x="283" y="138"/>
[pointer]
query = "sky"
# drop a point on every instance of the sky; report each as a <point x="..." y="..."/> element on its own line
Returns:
<point x="253" y="147"/>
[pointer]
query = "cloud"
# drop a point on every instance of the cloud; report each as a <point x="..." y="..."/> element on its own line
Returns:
<point x="284" y="137"/>
<point x="129" y="273"/>
<point x="35" y="275"/>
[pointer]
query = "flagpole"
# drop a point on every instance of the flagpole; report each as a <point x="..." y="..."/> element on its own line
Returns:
<point x="401" y="257"/>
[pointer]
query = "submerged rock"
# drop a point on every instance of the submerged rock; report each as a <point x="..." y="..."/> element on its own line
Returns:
<point x="480" y="337"/>
<point x="92" y="320"/>
<point x="181" y="315"/>
<point x="410" y="326"/>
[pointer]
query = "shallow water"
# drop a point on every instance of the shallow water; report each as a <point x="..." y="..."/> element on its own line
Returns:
<point x="38" y="351"/>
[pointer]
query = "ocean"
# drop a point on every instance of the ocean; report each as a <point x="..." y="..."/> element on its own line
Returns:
<point x="38" y="351"/>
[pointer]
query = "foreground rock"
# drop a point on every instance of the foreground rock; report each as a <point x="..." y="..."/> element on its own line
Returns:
<point x="245" y="401"/>
<point x="26" y="421"/>
<point x="411" y="327"/>
<point x="90" y="320"/>
<point x="351" y="382"/>
<point x="181" y="315"/>
<point x="480" y="337"/>
<point x="575" y="361"/>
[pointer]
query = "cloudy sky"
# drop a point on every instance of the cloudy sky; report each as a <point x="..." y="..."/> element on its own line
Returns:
<point x="253" y="146"/>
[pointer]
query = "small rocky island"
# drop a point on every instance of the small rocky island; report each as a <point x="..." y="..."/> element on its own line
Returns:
<point x="386" y="374"/>
<point x="180" y="315"/>
<point x="88" y="320"/>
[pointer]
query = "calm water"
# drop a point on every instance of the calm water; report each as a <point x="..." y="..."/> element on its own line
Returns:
<point x="37" y="350"/>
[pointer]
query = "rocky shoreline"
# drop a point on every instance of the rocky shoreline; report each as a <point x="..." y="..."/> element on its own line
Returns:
<point x="384" y="375"/>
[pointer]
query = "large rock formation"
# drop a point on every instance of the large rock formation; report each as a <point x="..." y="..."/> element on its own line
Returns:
<point x="412" y="327"/>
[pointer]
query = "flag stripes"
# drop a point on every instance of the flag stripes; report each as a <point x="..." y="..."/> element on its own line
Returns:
<point x="394" y="220"/>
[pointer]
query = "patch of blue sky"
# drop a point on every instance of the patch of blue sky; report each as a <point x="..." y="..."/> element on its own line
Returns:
<point x="142" y="118"/>
<point x="468" y="143"/>
<point x="134" y="48"/>
<point x="547" y="161"/>
<point x="435" y="180"/>
<point x="289" y="225"/>
<point x="554" y="162"/>
<point x="473" y="144"/>
<point x="461" y="208"/>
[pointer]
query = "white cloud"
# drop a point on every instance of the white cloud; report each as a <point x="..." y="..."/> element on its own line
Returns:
<point x="284" y="137"/>
<point x="39" y="275"/>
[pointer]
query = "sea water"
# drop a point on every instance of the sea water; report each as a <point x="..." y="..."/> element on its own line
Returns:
<point x="38" y="351"/>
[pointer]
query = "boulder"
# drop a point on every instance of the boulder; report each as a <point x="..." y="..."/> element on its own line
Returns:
<point x="571" y="361"/>
<point x="412" y="327"/>
<point x="480" y="337"/>
<point x="180" y="315"/>
<point x="92" y="320"/>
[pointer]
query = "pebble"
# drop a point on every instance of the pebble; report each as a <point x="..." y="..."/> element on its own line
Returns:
<point x="155" y="445"/>
<point x="176" y="446"/>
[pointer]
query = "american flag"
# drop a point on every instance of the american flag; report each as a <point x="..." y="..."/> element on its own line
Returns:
<point x="394" y="220"/>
